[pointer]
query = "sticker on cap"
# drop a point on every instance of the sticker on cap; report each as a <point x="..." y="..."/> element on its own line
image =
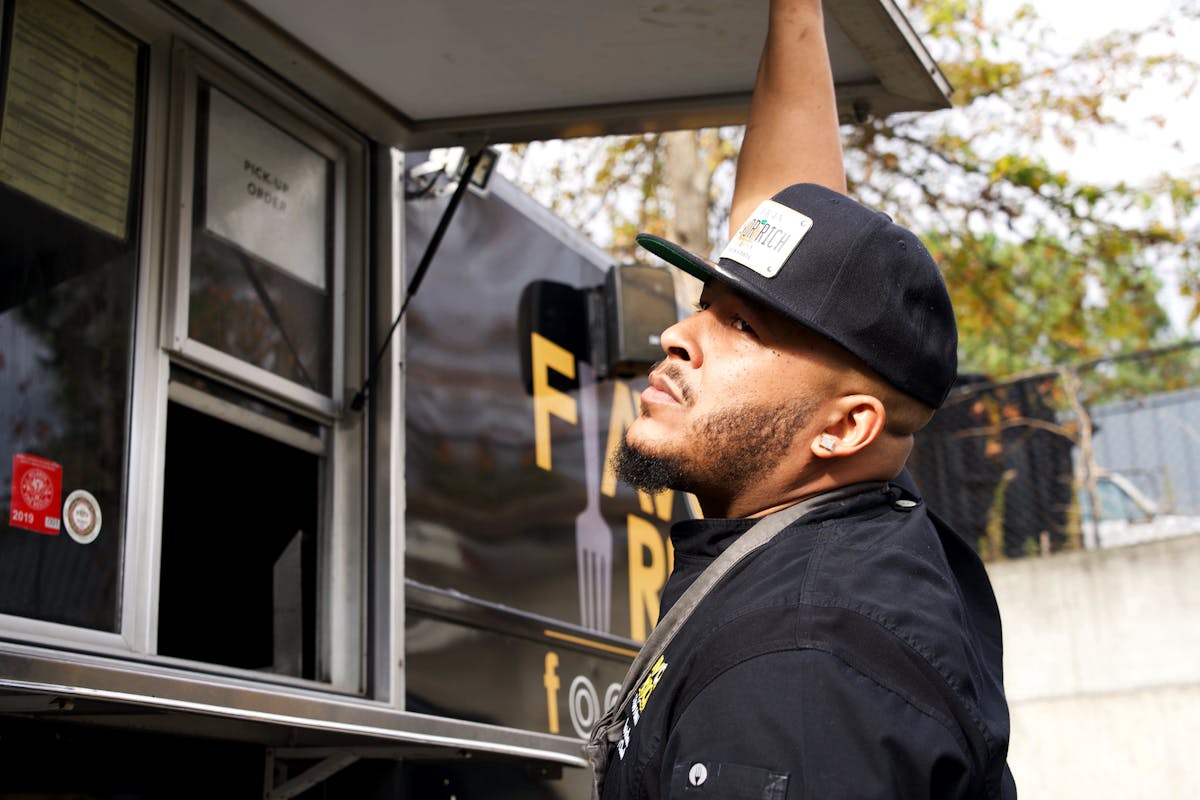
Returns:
<point x="765" y="241"/>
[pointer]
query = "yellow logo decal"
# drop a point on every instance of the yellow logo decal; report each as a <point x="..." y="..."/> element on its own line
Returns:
<point x="656" y="673"/>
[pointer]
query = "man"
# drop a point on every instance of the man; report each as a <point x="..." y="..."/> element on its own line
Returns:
<point x="856" y="654"/>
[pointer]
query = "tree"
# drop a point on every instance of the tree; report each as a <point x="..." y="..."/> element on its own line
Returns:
<point x="1043" y="266"/>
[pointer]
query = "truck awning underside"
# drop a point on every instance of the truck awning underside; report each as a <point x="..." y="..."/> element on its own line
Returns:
<point x="415" y="73"/>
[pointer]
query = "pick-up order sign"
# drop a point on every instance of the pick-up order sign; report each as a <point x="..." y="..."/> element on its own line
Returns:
<point x="36" y="494"/>
<point x="267" y="192"/>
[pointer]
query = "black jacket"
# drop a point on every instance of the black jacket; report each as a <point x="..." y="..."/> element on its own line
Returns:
<point x="857" y="655"/>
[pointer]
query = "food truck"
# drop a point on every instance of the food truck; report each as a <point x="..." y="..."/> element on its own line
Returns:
<point x="265" y="535"/>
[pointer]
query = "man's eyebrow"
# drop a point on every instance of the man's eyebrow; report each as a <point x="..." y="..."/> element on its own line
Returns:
<point x="760" y="314"/>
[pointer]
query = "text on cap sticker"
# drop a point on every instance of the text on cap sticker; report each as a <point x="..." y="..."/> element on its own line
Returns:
<point x="765" y="241"/>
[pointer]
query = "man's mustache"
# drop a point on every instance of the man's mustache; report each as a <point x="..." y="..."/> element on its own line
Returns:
<point x="675" y="374"/>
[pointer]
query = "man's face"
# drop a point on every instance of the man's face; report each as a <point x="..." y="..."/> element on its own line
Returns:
<point x="734" y="399"/>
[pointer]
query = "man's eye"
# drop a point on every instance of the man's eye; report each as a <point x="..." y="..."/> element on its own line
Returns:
<point x="742" y="325"/>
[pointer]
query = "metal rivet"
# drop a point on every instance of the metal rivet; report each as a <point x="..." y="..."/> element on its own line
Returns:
<point x="698" y="774"/>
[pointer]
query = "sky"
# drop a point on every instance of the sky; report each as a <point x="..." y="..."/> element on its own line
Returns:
<point x="1147" y="151"/>
<point x="1150" y="151"/>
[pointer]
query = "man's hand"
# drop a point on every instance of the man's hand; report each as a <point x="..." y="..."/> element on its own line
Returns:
<point x="792" y="133"/>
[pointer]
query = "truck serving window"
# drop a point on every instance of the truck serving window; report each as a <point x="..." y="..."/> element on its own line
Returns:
<point x="241" y="526"/>
<point x="262" y="535"/>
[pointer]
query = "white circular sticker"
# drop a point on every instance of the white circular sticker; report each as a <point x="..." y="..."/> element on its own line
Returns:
<point x="81" y="516"/>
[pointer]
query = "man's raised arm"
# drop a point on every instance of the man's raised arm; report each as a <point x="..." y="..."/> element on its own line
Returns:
<point x="792" y="133"/>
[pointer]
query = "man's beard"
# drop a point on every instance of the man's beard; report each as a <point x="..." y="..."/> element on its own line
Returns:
<point x="727" y="451"/>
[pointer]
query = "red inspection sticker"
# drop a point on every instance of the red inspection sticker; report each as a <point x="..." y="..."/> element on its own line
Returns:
<point x="36" y="494"/>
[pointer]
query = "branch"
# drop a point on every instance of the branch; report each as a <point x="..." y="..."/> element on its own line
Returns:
<point x="1017" y="422"/>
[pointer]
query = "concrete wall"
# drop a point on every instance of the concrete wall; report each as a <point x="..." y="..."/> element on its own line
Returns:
<point x="1102" y="669"/>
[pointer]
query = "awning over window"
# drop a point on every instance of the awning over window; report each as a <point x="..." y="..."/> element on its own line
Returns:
<point x="421" y="73"/>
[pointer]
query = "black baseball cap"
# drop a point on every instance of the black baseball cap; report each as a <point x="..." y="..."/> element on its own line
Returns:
<point x="846" y="272"/>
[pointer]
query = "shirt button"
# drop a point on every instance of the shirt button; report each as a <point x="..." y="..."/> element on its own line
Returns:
<point x="698" y="774"/>
<point x="904" y="505"/>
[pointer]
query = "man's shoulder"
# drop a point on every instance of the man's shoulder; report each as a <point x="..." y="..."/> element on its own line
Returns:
<point x="882" y="556"/>
<point x="890" y="560"/>
<point x="879" y="570"/>
<point x="877" y="563"/>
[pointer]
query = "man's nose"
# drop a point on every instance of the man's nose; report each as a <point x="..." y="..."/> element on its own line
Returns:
<point x="680" y="341"/>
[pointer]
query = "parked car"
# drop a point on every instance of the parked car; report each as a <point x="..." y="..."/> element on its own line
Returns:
<point x="1127" y="516"/>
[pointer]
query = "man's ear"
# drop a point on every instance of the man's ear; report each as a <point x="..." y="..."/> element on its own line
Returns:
<point x="855" y="422"/>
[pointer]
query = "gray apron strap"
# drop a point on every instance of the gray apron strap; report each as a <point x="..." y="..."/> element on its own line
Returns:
<point x="610" y="726"/>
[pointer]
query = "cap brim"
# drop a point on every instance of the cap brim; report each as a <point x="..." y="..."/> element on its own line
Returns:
<point x="677" y="256"/>
<point x="705" y="270"/>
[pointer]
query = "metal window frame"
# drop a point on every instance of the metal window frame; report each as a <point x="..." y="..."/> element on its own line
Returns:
<point x="342" y="602"/>
<point x="385" y="411"/>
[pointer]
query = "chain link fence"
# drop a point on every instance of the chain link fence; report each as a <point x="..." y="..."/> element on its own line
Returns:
<point x="1099" y="454"/>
